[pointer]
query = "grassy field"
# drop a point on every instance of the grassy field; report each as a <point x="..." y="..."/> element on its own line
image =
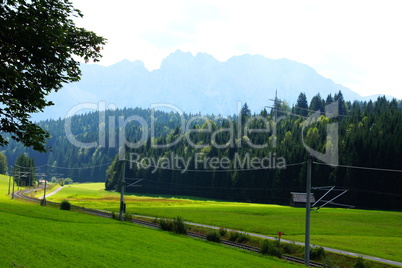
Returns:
<point x="35" y="236"/>
<point x="376" y="233"/>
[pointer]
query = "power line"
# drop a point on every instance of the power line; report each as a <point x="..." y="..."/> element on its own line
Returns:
<point x="357" y="167"/>
<point x="195" y="190"/>
<point x="288" y="113"/>
<point x="301" y="116"/>
<point x="372" y="192"/>
<point x="101" y="165"/>
<point x="295" y="164"/>
<point x="195" y="187"/>
<point x="228" y="196"/>
<point x="47" y="165"/>
<point x="219" y="170"/>
<point x="167" y="168"/>
<point x="357" y="190"/>
<point x="324" y="113"/>
<point x="212" y="187"/>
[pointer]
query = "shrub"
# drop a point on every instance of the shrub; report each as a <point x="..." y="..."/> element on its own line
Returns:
<point x="68" y="181"/>
<point x="360" y="263"/>
<point x="270" y="248"/>
<point x="243" y="237"/>
<point x="214" y="236"/>
<point x="65" y="205"/>
<point x="222" y="231"/>
<point x="291" y="248"/>
<point x="128" y="217"/>
<point x="178" y="226"/>
<point x="264" y="247"/>
<point x="317" y="253"/>
<point x="233" y="236"/>
<point x="166" y="225"/>
<point x="238" y="237"/>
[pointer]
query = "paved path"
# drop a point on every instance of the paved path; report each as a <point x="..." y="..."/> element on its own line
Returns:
<point x="52" y="193"/>
<point x="337" y="251"/>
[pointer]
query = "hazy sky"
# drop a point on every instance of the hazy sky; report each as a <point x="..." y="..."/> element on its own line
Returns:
<point x="355" y="43"/>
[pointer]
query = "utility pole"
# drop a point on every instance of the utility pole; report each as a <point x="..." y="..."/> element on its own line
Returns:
<point x="276" y="105"/>
<point x="44" y="194"/>
<point x="123" y="185"/>
<point x="19" y="178"/>
<point x="9" y="182"/>
<point x="44" y="189"/>
<point x="29" y="176"/>
<point x="275" y="119"/>
<point x="308" y="209"/>
<point x="12" y="196"/>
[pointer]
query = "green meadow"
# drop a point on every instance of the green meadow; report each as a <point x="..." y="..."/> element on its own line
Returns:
<point x="35" y="236"/>
<point x="375" y="233"/>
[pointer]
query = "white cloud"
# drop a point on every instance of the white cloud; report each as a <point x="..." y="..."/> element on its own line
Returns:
<point x="355" y="43"/>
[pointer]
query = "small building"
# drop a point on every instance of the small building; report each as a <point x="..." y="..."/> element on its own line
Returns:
<point x="299" y="199"/>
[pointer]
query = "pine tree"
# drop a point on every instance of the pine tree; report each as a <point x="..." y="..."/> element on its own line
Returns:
<point x="301" y="105"/>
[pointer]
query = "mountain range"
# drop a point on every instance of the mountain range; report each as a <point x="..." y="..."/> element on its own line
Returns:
<point x="194" y="84"/>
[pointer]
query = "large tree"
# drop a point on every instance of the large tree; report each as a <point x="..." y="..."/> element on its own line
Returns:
<point x="40" y="49"/>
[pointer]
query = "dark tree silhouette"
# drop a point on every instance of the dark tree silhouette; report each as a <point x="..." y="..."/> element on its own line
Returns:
<point x="39" y="48"/>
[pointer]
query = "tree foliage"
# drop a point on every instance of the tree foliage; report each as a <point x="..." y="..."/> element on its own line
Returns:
<point x="24" y="170"/>
<point x="3" y="164"/>
<point x="301" y="105"/>
<point x="39" y="48"/>
<point x="369" y="136"/>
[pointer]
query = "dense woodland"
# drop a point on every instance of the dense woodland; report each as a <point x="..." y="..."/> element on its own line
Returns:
<point x="370" y="135"/>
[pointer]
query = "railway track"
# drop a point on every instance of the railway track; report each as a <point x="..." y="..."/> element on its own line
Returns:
<point x="226" y="242"/>
<point x="144" y="223"/>
<point x="300" y="260"/>
<point x="241" y="246"/>
<point x="22" y="195"/>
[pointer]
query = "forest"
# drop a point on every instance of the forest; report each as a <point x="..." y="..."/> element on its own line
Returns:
<point x="249" y="157"/>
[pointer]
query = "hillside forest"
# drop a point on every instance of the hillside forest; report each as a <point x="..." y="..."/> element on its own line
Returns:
<point x="248" y="157"/>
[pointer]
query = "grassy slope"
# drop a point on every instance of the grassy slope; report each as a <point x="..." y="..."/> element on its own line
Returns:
<point x="376" y="233"/>
<point x="34" y="236"/>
